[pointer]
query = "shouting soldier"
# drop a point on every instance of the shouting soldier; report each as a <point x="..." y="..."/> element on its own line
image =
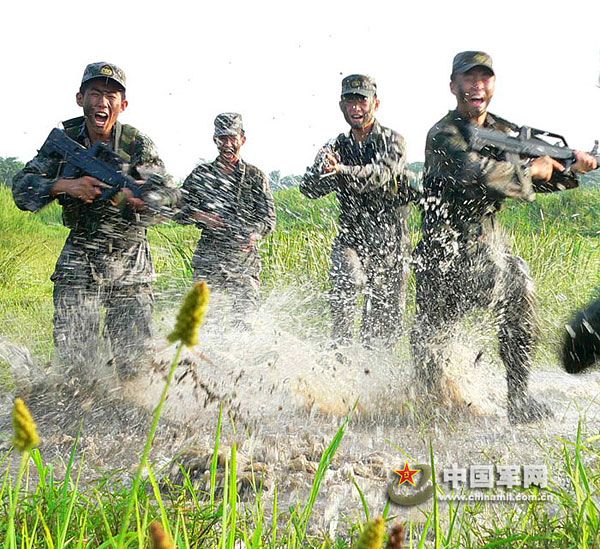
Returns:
<point x="106" y="258"/>
<point x="231" y="201"/>
<point x="366" y="169"/>
<point x="463" y="262"/>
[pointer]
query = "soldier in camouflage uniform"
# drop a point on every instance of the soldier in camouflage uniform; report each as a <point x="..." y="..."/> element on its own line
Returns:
<point x="366" y="169"/>
<point x="106" y="258"/>
<point x="581" y="344"/>
<point x="231" y="201"/>
<point x="462" y="260"/>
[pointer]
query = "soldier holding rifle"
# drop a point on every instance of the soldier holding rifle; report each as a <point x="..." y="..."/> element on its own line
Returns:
<point x="462" y="260"/>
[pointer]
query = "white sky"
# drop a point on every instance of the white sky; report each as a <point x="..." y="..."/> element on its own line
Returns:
<point x="280" y="64"/>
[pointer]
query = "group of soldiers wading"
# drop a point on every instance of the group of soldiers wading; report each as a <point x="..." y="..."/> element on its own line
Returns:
<point x="460" y="263"/>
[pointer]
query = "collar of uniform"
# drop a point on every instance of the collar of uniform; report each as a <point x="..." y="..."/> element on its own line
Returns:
<point x="238" y="167"/>
<point x="84" y="138"/>
<point x="375" y="131"/>
<point x="490" y="121"/>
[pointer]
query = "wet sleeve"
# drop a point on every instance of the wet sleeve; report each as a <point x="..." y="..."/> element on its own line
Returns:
<point x="448" y="153"/>
<point x="190" y="202"/>
<point x="264" y="213"/>
<point x="159" y="191"/>
<point x="31" y="187"/>
<point x="314" y="185"/>
<point x="558" y="182"/>
<point x="387" y="172"/>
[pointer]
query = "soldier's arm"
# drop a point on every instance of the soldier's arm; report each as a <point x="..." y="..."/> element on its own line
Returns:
<point x="190" y="201"/>
<point x="159" y="193"/>
<point x="32" y="187"/>
<point x="558" y="181"/>
<point x="447" y="152"/>
<point x="264" y="209"/>
<point x="388" y="172"/>
<point x="313" y="184"/>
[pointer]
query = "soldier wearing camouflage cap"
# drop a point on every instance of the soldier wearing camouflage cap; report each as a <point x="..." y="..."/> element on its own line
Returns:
<point x="231" y="201"/>
<point x="106" y="260"/>
<point x="463" y="261"/>
<point x="366" y="168"/>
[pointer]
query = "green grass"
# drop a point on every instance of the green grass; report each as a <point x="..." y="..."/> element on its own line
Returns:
<point x="71" y="512"/>
<point x="557" y="235"/>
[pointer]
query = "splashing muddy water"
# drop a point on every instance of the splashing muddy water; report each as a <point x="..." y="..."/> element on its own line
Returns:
<point x="284" y="395"/>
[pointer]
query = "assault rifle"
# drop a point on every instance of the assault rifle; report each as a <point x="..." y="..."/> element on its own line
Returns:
<point x="98" y="161"/>
<point x="530" y="142"/>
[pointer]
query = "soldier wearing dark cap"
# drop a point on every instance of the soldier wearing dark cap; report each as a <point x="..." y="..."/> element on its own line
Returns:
<point x="366" y="169"/>
<point x="231" y="201"/>
<point x="106" y="258"/>
<point x="462" y="259"/>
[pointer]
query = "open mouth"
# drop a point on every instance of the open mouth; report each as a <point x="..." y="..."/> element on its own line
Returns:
<point x="101" y="118"/>
<point x="476" y="101"/>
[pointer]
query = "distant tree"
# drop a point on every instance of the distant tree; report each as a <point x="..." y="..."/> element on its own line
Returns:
<point x="274" y="178"/>
<point x="289" y="181"/>
<point x="8" y="168"/>
<point x="416" y="166"/>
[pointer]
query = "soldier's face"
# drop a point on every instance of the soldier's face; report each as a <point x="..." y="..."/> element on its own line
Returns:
<point x="473" y="90"/>
<point x="229" y="147"/>
<point x="359" y="111"/>
<point x="102" y="103"/>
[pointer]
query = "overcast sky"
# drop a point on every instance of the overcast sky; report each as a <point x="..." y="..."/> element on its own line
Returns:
<point x="280" y="64"/>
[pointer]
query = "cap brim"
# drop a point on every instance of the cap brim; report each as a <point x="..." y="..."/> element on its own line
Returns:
<point x="229" y="132"/>
<point x="120" y="84"/>
<point x="470" y="66"/>
<point x="364" y="93"/>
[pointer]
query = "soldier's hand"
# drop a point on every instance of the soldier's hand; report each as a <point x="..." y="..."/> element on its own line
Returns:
<point x="251" y="243"/>
<point x="330" y="160"/>
<point x="542" y="168"/>
<point x="85" y="188"/>
<point x="212" y="221"/>
<point x="126" y="195"/>
<point x="584" y="162"/>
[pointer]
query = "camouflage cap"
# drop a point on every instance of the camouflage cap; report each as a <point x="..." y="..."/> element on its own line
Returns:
<point x="228" y="123"/>
<point x="466" y="60"/>
<point x="102" y="69"/>
<point x="359" y="84"/>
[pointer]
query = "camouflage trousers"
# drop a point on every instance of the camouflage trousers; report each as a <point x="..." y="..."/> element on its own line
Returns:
<point x="127" y="326"/>
<point x="484" y="278"/>
<point x="232" y="272"/>
<point x="381" y="279"/>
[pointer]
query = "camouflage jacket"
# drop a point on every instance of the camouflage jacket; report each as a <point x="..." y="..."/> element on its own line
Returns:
<point x="464" y="189"/>
<point x="99" y="230"/>
<point x="372" y="188"/>
<point x="243" y="199"/>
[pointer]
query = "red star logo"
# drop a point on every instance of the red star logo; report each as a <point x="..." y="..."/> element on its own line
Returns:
<point x="406" y="474"/>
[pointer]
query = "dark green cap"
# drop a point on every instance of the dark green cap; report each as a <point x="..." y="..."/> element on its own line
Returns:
<point x="102" y="69"/>
<point x="228" y="123"/>
<point x="466" y="60"/>
<point x="359" y="84"/>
